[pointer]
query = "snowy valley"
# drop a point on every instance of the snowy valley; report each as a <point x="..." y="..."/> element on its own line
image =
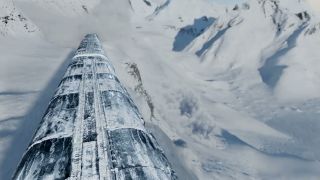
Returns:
<point x="230" y="90"/>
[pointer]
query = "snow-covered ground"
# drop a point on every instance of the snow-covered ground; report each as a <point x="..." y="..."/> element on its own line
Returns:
<point x="239" y="98"/>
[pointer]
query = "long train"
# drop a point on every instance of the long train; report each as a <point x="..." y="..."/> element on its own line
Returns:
<point x="92" y="130"/>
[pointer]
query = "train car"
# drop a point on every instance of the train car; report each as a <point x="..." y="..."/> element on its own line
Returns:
<point x="92" y="130"/>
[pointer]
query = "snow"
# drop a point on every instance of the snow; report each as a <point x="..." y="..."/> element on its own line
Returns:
<point x="13" y="22"/>
<point x="234" y="125"/>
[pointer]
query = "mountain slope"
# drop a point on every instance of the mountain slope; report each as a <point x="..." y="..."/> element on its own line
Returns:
<point x="237" y="100"/>
<point x="13" y="22"/>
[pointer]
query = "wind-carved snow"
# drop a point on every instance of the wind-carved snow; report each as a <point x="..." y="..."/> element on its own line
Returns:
<point x="271" y="71"/>
<point x="92" y="129"/>
<point x="205" y="46"/>
<point x="213" y="34"/>
<point x="187" y="34"/>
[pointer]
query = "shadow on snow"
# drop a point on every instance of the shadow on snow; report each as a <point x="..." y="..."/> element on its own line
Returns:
<point x="30" y="122"/>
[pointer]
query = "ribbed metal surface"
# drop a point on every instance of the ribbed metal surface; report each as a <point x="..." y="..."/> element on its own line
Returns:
<point x="92" y="129"/>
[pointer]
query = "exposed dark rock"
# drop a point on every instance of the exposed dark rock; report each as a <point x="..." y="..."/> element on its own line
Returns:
<point x="180" y="143"/>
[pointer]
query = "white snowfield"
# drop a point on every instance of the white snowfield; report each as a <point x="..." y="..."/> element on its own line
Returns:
<point x="231" y="91"/>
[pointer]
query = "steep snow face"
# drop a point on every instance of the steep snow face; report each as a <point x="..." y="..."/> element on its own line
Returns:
<point x="69" y="8"/>
<point x="13" y="22"/>
<point x="86" y="16"/>
<point x="260" y="35"/>
<point x="187" y="34"/>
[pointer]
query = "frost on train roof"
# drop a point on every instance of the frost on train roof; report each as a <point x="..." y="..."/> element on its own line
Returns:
<point x="90" y="45"/>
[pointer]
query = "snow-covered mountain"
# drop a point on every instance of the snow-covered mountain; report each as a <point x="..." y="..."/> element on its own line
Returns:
<point x="231" y="90"/>
<point x="13" y="22"/>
